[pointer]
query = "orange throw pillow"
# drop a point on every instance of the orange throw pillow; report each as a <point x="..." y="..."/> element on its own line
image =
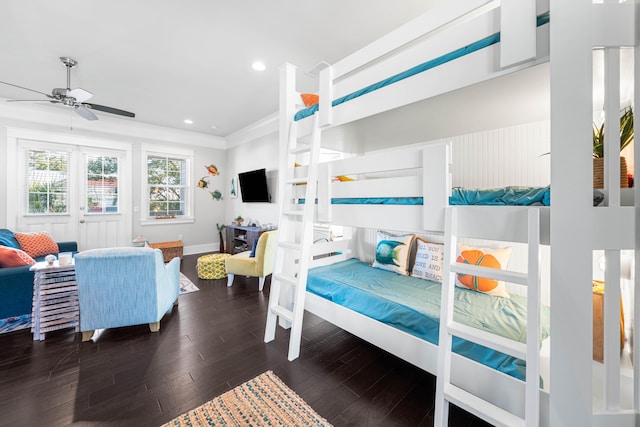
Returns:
<point x="486" y="257"/>
<point x="37" y="244"/>
<point x="310" y="99"/>
<point x="11" y="257"/>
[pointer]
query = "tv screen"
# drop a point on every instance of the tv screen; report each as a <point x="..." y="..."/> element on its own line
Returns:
<point x="253" y="186"/>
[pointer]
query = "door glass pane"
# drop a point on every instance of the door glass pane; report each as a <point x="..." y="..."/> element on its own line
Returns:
<point x="47" y="182"/>
<point x="102" y="184"/>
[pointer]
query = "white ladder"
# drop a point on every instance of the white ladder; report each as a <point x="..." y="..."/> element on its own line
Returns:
<point x="295" y="237"/>
<point x="446" y="392"/>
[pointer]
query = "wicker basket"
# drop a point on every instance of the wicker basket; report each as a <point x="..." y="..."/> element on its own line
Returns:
<point x="169" y="250"/>
<point x="598" y="173"/>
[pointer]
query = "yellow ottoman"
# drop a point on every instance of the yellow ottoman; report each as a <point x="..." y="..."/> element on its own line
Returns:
<point x="212" y="266"/>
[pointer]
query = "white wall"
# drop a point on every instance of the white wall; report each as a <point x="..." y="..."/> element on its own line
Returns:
<point x="198" y="236"/>
<point x="259" y="153"/>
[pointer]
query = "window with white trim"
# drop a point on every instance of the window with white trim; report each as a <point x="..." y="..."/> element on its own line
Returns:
<point x="168" y="191"/>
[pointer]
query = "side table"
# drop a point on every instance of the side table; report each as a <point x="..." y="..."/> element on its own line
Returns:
<point x="55" y="299"/>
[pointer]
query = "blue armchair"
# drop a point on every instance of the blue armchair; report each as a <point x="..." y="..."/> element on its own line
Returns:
<point x="123" y="287"/>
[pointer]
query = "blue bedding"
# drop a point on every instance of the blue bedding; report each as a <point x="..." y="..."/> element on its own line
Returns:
<point x="413" y="305"/>
<point x="458" y="53"/>
<point x="512" y="196"/>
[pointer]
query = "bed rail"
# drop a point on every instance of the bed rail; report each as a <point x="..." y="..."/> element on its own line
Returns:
<point x="446" y="38"/>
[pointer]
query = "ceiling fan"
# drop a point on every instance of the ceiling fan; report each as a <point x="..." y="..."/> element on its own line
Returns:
<point x="74" y="98"/>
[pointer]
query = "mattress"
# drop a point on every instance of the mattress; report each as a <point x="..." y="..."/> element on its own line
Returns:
<point x="413" y="305"/>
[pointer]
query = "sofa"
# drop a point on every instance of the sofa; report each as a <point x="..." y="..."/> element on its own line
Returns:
<point x="16" y="283"/>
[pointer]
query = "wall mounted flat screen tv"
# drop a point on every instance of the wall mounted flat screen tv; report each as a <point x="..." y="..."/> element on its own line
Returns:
<point x="253" y="186"/>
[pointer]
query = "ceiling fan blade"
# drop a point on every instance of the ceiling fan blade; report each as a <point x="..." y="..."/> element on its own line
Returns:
<point x="79" y="94"/>
<point x="32" y="100"/>
<point x="109" y="109"/>
<point x="84" y="112"/>
<point x="26" y="88"/>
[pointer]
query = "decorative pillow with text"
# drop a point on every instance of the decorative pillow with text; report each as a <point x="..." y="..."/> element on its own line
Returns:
<point x="428" y="263"/>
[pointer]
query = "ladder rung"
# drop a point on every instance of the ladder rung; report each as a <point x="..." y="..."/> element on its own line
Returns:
<point x="487" y="339"/>
<point x="302" y="148"/>
<point x="299" y="180"/>
<point x="293" y="213"/>
<point x="487" y="411"/>
<point x="286" y="278"/>
<point x="283" y="312"/>
<point x="289" y="245"/>
<point x="491" y="273"/>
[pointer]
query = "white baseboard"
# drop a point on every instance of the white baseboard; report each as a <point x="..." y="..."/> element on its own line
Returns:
<point x="200" y="249"/>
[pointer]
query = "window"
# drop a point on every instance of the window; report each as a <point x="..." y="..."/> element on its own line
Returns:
<point x="168" y="188"/>
<point x="102" y="184"/>
<point x="47" y="182"/>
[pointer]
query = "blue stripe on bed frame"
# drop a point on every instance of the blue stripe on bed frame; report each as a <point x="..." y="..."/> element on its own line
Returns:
<point x="447" y="57"/>
<point x="509" y="196"/>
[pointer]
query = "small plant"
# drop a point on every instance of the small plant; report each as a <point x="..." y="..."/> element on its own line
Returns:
<point x="238" y="220"/>
<point x="626" y="133"/>
<point x="220" y="230"/>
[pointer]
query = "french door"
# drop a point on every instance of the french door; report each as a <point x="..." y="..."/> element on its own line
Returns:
<point x="73" y="188"/>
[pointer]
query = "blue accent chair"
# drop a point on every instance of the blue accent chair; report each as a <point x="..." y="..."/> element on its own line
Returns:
<point x="123" y="287"/>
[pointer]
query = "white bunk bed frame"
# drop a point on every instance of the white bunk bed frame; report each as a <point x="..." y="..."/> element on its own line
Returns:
<point x="568" y="44"/>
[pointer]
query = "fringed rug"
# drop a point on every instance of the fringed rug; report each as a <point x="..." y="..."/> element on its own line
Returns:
<point x="186" y="285"/>
<point x="262" y="401"/>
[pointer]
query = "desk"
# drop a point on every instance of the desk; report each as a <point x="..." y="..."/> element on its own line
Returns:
<point x="55" y="299"/>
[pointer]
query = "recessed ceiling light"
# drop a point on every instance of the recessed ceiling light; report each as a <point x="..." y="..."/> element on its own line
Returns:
<point x="188" y="121"/>
<point x="214" y="127"/>
<point x="258" y="66"/>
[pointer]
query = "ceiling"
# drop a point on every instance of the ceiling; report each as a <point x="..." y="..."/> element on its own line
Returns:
<point x="167" y="61"/>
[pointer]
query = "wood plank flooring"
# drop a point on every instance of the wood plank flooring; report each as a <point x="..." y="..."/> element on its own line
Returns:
<point x="210" y="343"/>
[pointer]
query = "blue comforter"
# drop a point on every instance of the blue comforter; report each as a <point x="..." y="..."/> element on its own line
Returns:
<point x="413" y="305"/>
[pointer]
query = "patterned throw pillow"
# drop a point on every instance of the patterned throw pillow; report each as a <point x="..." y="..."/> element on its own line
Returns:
<point x="37" y="244"/>
<point x="392" y="252"/>
<point x="428" y="263"/>
<point x="486" y="257"/>
<point x="11" y="257"/>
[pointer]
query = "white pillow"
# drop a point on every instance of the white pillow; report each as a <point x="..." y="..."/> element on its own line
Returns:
<point x="428" y="263"/>
<point x="392" y="252"/>
<point x="487" y="257"/>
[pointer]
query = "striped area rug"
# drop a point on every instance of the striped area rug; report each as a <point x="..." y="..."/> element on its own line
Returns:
<point x="262" y="401"/>
<point x="186" y="285"/>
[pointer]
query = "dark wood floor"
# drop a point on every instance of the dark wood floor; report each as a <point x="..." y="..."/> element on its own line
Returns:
<point x="210" y="343"/>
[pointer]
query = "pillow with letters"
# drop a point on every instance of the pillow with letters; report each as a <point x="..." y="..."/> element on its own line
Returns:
<point x="12" y="257"/>
<point x="37" y="244"/>
<point x="392" y="252"/>
<point x="486" y="257"/>
<point x="428" y="263"/>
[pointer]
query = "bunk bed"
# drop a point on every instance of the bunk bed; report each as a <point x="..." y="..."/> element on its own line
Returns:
<point x="409" y="189"/>
<point x="418" y="180"/>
